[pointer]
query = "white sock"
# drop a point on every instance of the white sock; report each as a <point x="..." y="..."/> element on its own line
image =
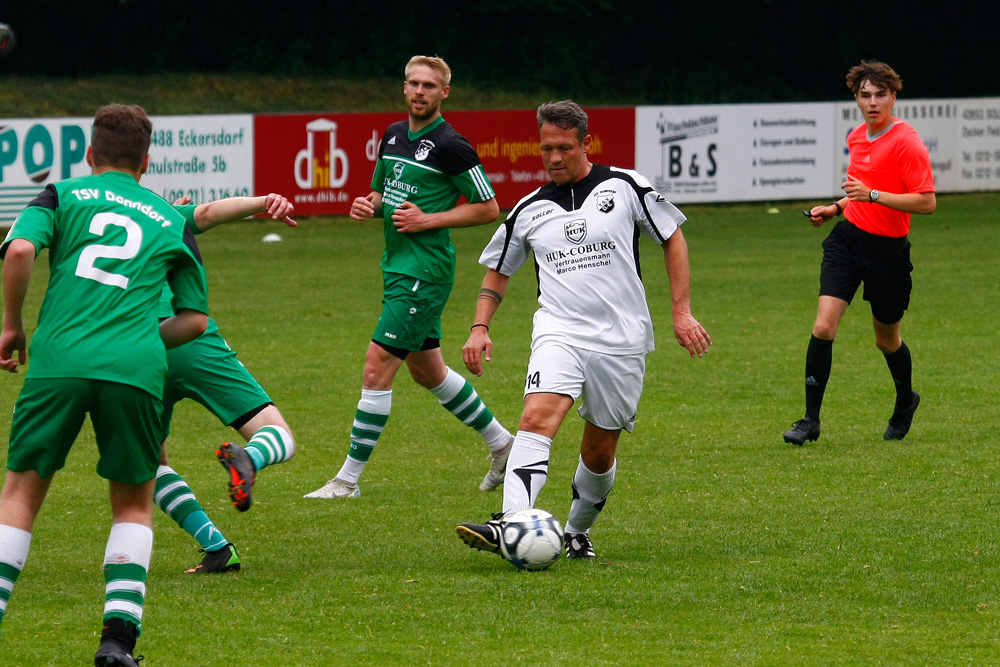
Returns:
<point x="590" y="492"/>
<point x="495" y="435"/>
<point x="527" y="471"/>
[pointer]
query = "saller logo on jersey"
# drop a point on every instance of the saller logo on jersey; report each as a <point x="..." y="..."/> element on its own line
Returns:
<point x="576" y="231"/>
<point x="423" y="149"/>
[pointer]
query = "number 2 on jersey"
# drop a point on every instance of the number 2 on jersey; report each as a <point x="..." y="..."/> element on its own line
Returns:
<point x="99" y="225"/>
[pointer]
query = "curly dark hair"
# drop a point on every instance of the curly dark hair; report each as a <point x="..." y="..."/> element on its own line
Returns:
<point x="878" y="73"/>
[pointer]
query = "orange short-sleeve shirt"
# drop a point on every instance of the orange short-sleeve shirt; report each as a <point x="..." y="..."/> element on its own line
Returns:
<point x="895" y="161"/>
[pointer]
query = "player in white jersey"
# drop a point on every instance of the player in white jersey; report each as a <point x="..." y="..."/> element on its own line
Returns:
<point x="592" y="330"/>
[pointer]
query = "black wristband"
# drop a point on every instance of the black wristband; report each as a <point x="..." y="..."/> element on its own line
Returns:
<point x="487" y="327"/>
<point x="840" y="210"/>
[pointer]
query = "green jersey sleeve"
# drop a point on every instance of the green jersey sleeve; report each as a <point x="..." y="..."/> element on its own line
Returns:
<point x="35" y="223"/>
<point x="186" y="280"/>
<point x="474" y="185"/>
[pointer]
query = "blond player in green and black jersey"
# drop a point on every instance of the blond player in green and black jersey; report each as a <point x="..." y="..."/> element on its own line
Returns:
<point x="424" y="169"/>
<point x="432" y="168"/>
<point x="98" y="351"/>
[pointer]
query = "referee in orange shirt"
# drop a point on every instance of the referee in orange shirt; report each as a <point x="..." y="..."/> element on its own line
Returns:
<point x="888" y="178"/>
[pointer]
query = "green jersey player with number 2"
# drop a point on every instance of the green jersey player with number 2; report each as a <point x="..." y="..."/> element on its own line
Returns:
<point x="99" y="350"/>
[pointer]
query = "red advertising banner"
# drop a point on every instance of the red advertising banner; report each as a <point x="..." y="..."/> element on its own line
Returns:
<point x="507" y="143"/>
<point x="323" y="161"/>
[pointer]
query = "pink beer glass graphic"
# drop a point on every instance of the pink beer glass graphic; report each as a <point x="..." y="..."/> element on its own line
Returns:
<point x="321" y="165"/>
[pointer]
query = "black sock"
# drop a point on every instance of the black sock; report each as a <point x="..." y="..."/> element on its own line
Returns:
<point x="901" y="368"/>
<point x="819" y="360"/>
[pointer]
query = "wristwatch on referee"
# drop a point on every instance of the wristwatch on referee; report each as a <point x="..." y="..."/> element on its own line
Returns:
<point x="873" y="196"/>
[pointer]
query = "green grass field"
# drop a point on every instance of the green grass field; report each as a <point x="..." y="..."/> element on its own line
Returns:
<point x="720" y="545"/>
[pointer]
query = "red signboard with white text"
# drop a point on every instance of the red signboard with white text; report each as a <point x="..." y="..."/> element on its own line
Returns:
<point x="323" y="161"/>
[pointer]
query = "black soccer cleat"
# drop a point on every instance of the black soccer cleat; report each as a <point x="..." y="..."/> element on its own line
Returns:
<point x="242" y="473"/>
<point x="802" y="430"/>
<point x="578" y="545"/>
<point x="216" y="562"/>
<point x="482" y="536"/>
<point x="117" y="643"/>
<point x="109" y="654"/>
<point x="899" y="423"/>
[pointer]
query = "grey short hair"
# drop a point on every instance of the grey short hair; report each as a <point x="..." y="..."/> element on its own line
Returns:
<point x="566" y="114"/>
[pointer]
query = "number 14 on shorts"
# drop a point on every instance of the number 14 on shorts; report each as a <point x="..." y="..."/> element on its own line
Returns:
<point x="532" y="381"/>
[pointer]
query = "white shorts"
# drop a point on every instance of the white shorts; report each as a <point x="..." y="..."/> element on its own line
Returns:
<point x="610" y="385"/>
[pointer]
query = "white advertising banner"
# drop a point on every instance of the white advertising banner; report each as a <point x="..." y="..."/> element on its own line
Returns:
<point x="977" y="143"/>
<point x="36" y="152"/>
<point x="936" y="121"/>
<point x="699" y="153"/>
<point x="736" y="152"/>
<point x="203" y="157"/>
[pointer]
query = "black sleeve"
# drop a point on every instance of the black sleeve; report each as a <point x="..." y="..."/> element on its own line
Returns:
<point x="192" y="244"/>
<point x="459" y="156"/>
<point x="47" y="198"/>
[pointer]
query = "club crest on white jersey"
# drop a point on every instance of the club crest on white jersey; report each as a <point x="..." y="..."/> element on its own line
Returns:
<point x="576" y="230"/>
<point x="605" y="203"/>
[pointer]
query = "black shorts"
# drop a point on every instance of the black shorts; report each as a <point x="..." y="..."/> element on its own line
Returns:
<point x="852" y="256"/>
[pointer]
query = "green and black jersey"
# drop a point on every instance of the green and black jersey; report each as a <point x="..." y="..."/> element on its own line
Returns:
<point x="431" y="168"/>
<point x="112" y="245"/>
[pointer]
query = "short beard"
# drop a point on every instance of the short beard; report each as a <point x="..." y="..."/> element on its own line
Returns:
<point x="428" y="112"/>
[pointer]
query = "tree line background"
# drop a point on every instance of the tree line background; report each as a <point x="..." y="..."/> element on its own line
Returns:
<point x="633" y="52"/>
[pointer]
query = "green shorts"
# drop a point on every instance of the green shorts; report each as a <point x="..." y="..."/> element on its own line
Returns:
<point x="411" y="312"/>
<point x="49" y="414"/>
<point x="207" y="370"/>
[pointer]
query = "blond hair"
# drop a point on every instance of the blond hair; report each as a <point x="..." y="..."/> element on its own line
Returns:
<point x="435" y="63"/>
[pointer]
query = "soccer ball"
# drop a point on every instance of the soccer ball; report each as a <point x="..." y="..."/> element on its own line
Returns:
<point x="7" y="39"/>
<point x="531" y="539"/>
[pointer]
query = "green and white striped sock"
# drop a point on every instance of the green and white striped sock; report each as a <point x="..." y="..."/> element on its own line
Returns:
<point x="270" y="445"/>
<point x="459" y="398"/>
<point x="126" y="562"/>
<point x="176" y="499"/>
<point x="369" y="422"/>
<point x="14" y="545"/>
